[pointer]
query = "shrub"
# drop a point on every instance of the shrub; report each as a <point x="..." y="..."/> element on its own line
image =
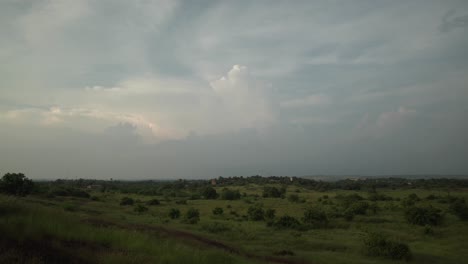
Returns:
<point x="423" y="216"/>
<point x="181" y="202"/>
<point x="294" y="198"/>
<point x="153" y="202"/>
<point x="174" y="213"/>
<point x="460" y="209"/>
<point x="271" y="192"/>
<point x="209" y="193"/>
<point x="286" y="222"/>
<point x="270" y="214"/>
<point x="192" y="216"/>
<point x="216" y="227"/>
<point x="379" y="246"/>
<point x="126" y="201"/>
<point x="227" y="194"/>
<point x="256" y="213"/>
<point x="315" y="218"/>
<point x="218" y="211"/>
<point x="140" y="208"/>
<point x="358" y="208"/>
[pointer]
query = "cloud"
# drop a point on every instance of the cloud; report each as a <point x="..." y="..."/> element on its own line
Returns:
<point x="243" y="101"/>
<point x="310" y="100"/>
<point x="451" y="22"/>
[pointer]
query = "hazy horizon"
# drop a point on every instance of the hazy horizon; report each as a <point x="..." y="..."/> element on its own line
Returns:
<point x="183" y="89"/>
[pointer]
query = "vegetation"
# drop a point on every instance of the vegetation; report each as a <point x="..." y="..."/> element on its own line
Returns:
<point x="238" y="220"/>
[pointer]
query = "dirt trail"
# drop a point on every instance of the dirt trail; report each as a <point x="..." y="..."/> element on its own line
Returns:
<point x="188" y="236"/>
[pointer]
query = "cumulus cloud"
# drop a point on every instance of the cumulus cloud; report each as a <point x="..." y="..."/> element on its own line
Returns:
<point x="243" y="101"/>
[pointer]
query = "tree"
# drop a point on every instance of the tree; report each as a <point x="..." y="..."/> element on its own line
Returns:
<point x="192" y="216"/>
<point x="16" y="184"/>
<point x="174" y="213"/>
<point x="218" y="211"/>
<point x="423" y="216"/>
<point x="256" y="213"/>
<point x="315" y="217"/>
<point x="209" y="193"/>
<point x="227" y="194"/>
<point x="126" y="201"/>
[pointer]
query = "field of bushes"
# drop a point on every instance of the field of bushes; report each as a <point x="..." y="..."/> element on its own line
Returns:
<point x="236" y="220"/>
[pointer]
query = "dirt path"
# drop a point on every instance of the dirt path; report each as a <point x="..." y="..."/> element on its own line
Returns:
<point x="188" y="236"/>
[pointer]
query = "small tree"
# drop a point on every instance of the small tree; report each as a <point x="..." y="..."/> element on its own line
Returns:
<point x="153" y="202"/>
<point x="174" y="213"/>
<point x="423" y="216"/>
<point x="209" y="193"/>
<point x="140" y="209"/>
<point x="192" y="216"/>
<point x="126" y="201"/>
<point x="228" y="194"/>
<point x="315" y="218"/>
<point x="218" y="211"/>
<point x="16" y="184"/>
<point x="270" y="214"/>
<point x="256" y="213"/>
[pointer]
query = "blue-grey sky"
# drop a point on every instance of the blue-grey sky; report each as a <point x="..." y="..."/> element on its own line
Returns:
<point x="198" y="89"/>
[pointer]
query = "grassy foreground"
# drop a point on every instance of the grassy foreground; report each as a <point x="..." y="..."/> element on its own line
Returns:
<point x="96" y="226"/>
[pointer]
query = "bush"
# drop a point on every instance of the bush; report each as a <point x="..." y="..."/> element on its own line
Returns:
<point x="423" y="216"/>
<point x="460" y="209"/>
<point x="286" y="222"/>
<point x="209" y="193"/>
<point x="270" y="214"/>
<point x="256" y="213"/>
<point x="294" y="198"/>
<point x="379" y="246"/>
<point x="174" y="213"/>
<point x="315" y="218"/>
<point x="227" y="194"/>
<point x="140" y="208"/>
<point x="218" y="211"/>
<point x="153" y="202"/>
<point x="16" y="184"/>
<point x="271" y="192"/>
<point x="216" y="227"/>
<point x="126" y="201"/>
<point x="358" y="208"/>
<point x="192" y="216"/>
<point x="181" y="202"/>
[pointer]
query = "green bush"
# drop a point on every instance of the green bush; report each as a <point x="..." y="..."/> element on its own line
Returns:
<point x="423" y="216"/>
<point x="126" y="201"/>
<point x="459" y="208"/>
<point x="270" y="214"/>
<point x="216" y="227"/>
<point x="379" y="246"/>
<point x="227" y="194"/>
<point x="209" y="193"/>
<point x="192" y="216"/>
<point x="153" y="202"/>
<point x="256" y="213"/>
<point x="174" y="213"/>
<point x="294" y="198"/>
<point x="287" y="222"/>
<point x="315" y="218"/>
<point x="140" y="208"/>
<point x="218" y="211"/>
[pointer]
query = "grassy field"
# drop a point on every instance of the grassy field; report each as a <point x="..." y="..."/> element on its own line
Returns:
<point x="58" y="229"/>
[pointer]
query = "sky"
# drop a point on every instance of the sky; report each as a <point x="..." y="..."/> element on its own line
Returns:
<point x="200" y="89"/>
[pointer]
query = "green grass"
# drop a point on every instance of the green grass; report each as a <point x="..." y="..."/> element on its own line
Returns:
<point x="35" y="218"/>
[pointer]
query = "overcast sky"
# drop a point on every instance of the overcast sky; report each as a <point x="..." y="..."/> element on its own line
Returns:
<point x="199" y="89"/>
